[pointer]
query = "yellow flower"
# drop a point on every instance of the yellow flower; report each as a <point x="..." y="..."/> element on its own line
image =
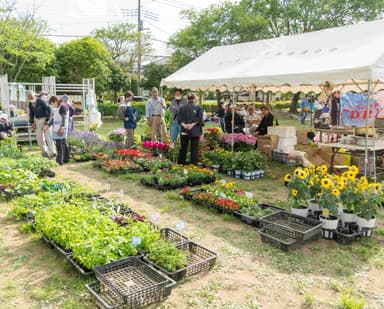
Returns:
<point x="287" y="177"/>
<point x="354" y="169"/>
<point x="302" y="175"/>
<point x="364" y="180"/>
<point x="294" y="192"/>
<point x="340" y="185"/>
<point x="375" y="186"/>
<point x="343" y="180"/>
<point x="336" y="192"/>
<point x="297" y="171"/>
<point x="327" y="183"/>
<point x="311" y="182"/>
<point x="326" y="212"/>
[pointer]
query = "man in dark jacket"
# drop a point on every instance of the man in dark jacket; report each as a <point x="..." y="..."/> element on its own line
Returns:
<point x="266" y="121"/>
<point x="39" y="116"/>
<point x="190" y="118"/>
<point x="129" y="120"/>
<point x="239" y="122"/>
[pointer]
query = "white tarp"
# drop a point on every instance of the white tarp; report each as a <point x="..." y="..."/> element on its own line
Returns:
<point x="336" y="55"/>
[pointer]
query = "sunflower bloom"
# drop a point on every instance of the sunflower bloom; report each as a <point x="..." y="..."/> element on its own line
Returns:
<point x="336" y="192"/>
<point x="327" y="183"/>
<point x="354" y="169"/>
<point x="287" y="177"/>
<point x="294" y="192"/>
<point x="326" y="212"/>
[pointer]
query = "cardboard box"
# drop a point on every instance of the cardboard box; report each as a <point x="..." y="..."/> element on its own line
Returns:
<point x="302" y="137"/>
<point x="267" y="150"/>
<point x="323" y="155"/>
<point x="267" y="140"/>
<point x="282" y="131"/>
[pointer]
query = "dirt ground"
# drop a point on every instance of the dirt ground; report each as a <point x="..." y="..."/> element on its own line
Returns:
<point x="248" y="274"/>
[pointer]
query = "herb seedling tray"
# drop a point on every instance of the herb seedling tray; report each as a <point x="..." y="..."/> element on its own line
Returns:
<point x="172" y="236"/>
<point x="256" y="221"/>
<point x="199" y="259"/>
<point x="85" y="272"/>
<point x="290" y="225"/>
<point x="60" y="249"/>
<point x="133" y="282"/>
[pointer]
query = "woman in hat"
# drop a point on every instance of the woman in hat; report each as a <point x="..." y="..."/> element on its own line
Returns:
<point x="5" y="127"/>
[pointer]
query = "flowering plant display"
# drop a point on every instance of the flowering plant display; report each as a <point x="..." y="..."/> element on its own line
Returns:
<point x="133" y="154"/>
<point x="117" y="135"/>
<point x="242" y="142"/>
<point x="121" y="165"/>
<point x="160" y="146"/>
<point x="94" y="126"/>
<point x="212" y="138"/>
<point x="356" y="194"/>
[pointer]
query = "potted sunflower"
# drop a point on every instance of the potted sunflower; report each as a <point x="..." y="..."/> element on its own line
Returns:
<point x="329" y="200"/>
<point x="298" y="192"/>
<point x="367" y="208"/>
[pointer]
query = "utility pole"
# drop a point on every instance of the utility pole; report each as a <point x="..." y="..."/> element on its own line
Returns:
<point x="139" y="29"/>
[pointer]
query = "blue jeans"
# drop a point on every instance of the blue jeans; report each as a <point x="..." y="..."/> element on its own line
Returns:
<point x="222" y="123"/>
<point x="303" y="117"/>
<point x="175" y="131"/>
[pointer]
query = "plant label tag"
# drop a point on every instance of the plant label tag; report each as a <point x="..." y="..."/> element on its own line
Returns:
<point x="94" y="206"/>
<point x="118" y="209"/>
<point x="180" y="226"/>
<point x="222" y="194"/>
<point x="121" y="193"/>
<point x="108" y="186"/>
<point x="248" y="194"/>
<point x="185" y="172"/>
<point x="223" y="181"/>
<point x="155" y="218"/>
<point x="136" y="241"/>
<point x="64" y="190"/>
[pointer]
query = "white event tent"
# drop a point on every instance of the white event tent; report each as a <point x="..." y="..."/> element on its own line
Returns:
<point x="337" y="55"/>
<point x="341" y="56"/>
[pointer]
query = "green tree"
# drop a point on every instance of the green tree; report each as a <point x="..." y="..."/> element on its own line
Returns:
<point x="118" y="81"/>
<point x="84" y="58"/>
<point x="24" y="53"/>
<point x="122" y="42"/>
<point x="154" y="73"/>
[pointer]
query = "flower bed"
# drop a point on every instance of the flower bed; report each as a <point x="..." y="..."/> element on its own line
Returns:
<point x="121" y="166"/>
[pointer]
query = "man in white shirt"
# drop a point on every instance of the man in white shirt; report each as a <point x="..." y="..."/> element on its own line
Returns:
<point x="155" y="112"/>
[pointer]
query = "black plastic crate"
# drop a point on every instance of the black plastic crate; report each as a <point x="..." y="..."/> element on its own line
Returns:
<point x="367" y="231"/>
<point x="328" y="234"/>
<point x="282" y="158"/>
<point x="290" y="225"/>
<point x="199" y="259"/>
<point x="106" y="298"/>
<point x="172" y="236"/>
<point x="133" y="282"/>
<point x="278" y="240"/>
<point x="345" y="236"/>
<point x="61" y="250"/>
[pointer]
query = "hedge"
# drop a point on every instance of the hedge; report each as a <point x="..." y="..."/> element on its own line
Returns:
<point x="109" y="109"/>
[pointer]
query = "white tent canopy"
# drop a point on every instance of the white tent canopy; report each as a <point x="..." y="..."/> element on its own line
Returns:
<point x="338" y="55"/>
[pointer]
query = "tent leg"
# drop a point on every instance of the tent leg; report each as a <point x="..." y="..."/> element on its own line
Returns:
<point x="366" y="130"/>
<point x="233" y="120"/>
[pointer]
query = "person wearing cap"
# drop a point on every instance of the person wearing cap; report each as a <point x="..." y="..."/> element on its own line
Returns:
<point x="238" y="121"/>
<point x="129" y="120"/>
<point x="59" y="128"/>
<point x="39" y="116"/>
<point x="5" y="127"/>
<point x="155" y="113"/>
<point x="190" y="118"/>
<point x="177" y="102"/>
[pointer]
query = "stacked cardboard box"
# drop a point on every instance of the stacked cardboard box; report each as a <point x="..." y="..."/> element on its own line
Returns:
<point x="287" y="138"/>
<point x="267" y="143"/>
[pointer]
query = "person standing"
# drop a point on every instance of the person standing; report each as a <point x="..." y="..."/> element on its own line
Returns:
<point x="177" y="102"/>
<point x="190" y="118"/>
<point x="129" y="120"/>
<point x="39" y="116"/>
<point x="71" y="111"/>
<point x="304" y="109"/>
<point x="238" y="122"/>
<point x="221" y="114"/>
<point x="253" y="119"/>
<point x="335" y="107"/>
<point x="155" y="114"/>
<point x="59" y="125"/>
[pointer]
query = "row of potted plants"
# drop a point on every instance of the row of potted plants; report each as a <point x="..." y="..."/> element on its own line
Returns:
<point x="346" y="198"/>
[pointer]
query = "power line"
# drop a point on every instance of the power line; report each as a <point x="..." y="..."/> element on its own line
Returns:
<point x="158" y="28"/>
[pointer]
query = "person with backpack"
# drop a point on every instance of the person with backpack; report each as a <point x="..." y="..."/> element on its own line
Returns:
<point x="130" y="121"/>
<point x="177" y="102"/>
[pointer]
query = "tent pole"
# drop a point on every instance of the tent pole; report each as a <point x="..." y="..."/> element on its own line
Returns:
<point x="366" y="130"/>
<point x="233" y="120"/>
